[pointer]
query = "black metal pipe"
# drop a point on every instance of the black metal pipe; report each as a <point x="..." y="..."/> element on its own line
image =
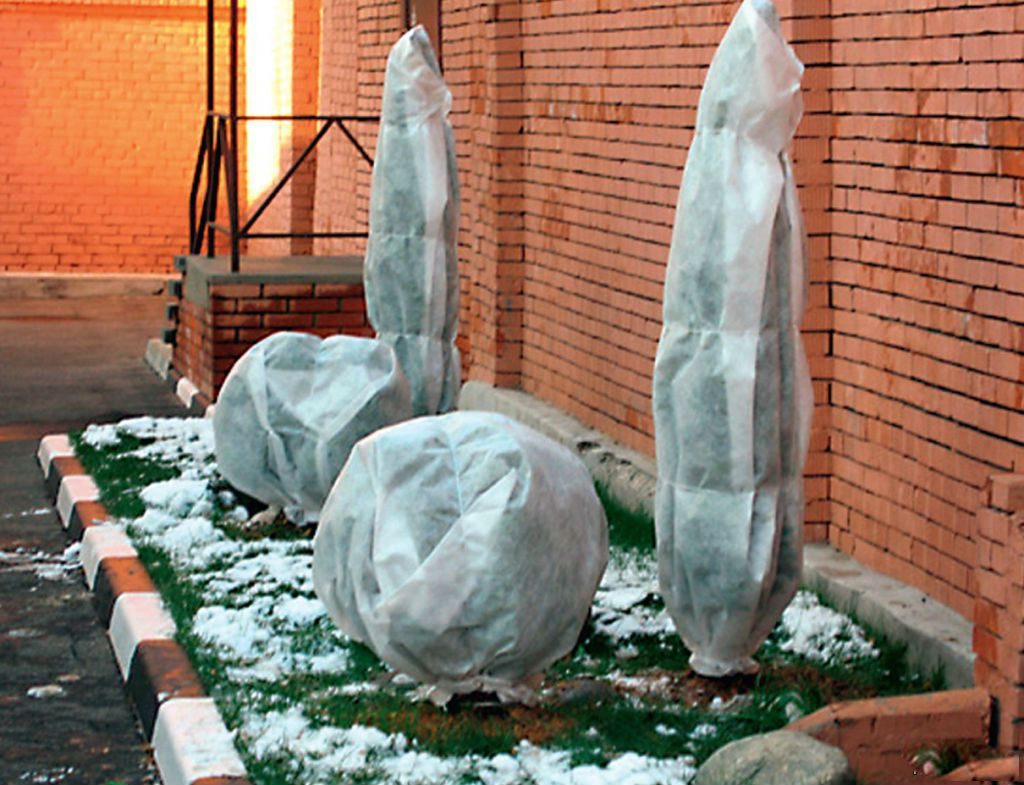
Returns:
<point x="213" y="190"/>
<point x="302" y="235"/>
<point x="366" y="156"/>
<point x="194" y="226"/>
<point x="231" y="176"/>
<point x="232" y="151"/>
<point x="211" y="43"/>
<point x="284" y="180"/>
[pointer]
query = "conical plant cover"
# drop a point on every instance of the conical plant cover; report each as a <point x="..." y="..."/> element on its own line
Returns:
<point x="732" y="394"/>
<point x="411" y="272"/>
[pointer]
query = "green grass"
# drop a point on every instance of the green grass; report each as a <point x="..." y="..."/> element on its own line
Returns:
<point x="593" y="730"/>
<point x="629" y="529"/>
<point x="120" y="476"/>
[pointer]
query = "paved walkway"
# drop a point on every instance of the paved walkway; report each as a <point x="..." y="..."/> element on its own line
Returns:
<point x="63" y="364"/>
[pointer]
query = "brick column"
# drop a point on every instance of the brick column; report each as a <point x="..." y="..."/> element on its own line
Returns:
<point x="999" y="605"/>
<point x="305" y="94"/>
<point x="491" y="248"/>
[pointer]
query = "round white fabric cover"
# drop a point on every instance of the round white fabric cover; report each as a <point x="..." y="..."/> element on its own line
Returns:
<point x="732" y="394"/>
<point x="292" y="408"/>
<point x="465" y="550"/>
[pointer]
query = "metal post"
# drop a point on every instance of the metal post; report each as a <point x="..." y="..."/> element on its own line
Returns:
<point x="233" y="152"/>
<point x="211" y="43"/>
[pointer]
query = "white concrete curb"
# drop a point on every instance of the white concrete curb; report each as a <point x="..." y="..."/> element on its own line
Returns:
<point x="190" y="742"/>
<point x="54" y="446"/>
<point x="99" y="543"/>
<point x="186" y="391"/>
<point x="74" y="489"/>
<point x="136" y="618"/>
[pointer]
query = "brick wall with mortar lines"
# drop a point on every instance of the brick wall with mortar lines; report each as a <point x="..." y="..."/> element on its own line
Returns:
<point x="928" y="281"/>
<point x="210" y="339"/>
<point x="338" y="163"/>
<point x="101" y="107"/>
<point x="999" y="605"/>
<point x="572" y="120"/>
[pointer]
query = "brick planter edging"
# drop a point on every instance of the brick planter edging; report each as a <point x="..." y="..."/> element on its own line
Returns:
<point x="881" y="735"/>
<point x="191" y="744"/>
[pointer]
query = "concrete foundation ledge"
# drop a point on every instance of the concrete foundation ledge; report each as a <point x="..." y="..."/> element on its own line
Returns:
<point x="936" y="636"/>
<point x="628" y="474"/>
<point x="24" y="286"/>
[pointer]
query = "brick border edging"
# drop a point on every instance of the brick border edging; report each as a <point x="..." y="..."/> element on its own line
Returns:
<point x="881" y="735"/>
<point x="191" y="744"/>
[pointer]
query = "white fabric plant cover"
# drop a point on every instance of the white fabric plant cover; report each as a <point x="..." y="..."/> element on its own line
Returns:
<point x="465" y="550"/>
<point x="732" y="395"/>
<point x="292" y="408"/>
<point x="411" y="270"/>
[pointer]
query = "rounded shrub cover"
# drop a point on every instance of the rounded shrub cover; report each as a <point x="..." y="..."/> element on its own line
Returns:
<point x="292" y="408"/>
<point x="464" y="549"/>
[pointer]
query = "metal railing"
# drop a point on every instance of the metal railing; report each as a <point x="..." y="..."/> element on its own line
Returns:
<point x="218" y="155"/>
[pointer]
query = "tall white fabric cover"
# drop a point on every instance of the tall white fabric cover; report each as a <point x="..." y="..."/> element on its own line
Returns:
<point x="465" y="550"/>
<point x="732" y="394"/>
<point x="411" y="269"/>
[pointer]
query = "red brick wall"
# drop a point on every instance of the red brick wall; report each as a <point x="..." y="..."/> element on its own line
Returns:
<point x="338" y="162"/>
<point x="572" y="120"/>
<point x="928" y="280"/>
<point x="572" y="126"/>
<point x="999" y="605"/>
<point x="211" y="338"/>
<point x="101" y="107"/>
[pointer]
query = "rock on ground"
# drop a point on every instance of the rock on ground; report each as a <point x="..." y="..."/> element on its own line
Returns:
<point x="779" y="758"/>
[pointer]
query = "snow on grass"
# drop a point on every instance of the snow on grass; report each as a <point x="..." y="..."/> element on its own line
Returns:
<point x="259" y="618"/>
<point x="819" y="633"/>
<point x="623" y="606"/>
<point x="327" y="753"/>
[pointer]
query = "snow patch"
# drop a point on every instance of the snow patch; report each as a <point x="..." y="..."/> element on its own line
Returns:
<point x="812" y="630"/>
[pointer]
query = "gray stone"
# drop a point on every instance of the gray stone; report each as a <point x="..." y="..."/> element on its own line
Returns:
<point x="585" y="692"/>
<point x="779" y="758"/>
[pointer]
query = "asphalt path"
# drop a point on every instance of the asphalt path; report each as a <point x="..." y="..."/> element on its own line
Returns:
<point x="64" y="714"/>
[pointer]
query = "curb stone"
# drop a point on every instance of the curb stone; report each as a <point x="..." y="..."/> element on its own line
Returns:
<point x="191" y="744"/>
<point x="158" y="357"/>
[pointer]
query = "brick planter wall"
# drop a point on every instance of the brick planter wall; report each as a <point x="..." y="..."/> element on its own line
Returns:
<point x="881" y="736"/>
<point x="999" y="605"/>
<point x="222" y="315"/>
